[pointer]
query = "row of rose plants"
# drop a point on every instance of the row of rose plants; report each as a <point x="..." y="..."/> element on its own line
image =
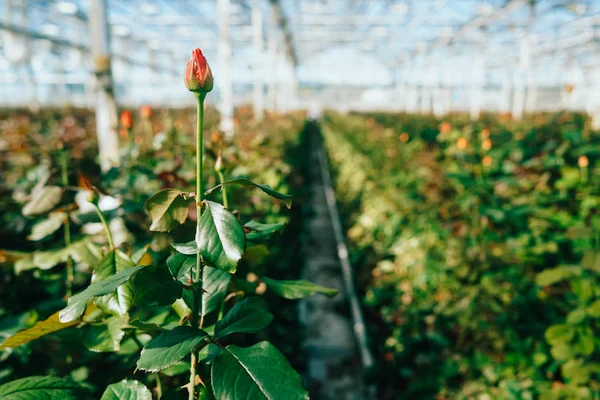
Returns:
<point x="160" y="311"/>
<point x="476" y="246"/>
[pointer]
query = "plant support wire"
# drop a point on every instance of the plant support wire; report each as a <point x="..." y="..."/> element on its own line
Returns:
<point x="358" y="321"/>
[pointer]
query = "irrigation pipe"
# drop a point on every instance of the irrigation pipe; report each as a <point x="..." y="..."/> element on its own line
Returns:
<point x="358" y="322"/>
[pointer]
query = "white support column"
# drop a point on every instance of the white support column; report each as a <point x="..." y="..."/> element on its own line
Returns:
<point x="412" y="97"/>
<point x="272" y="84"/>
<point x="224" y="78"/>
<point x="425" y="85"/>
<point x="594" y="90"/>
<point x="531" y="99"/>
<point x="17" y="49"/>
<point x="447" y="81"/>
<point x="257" y="72"/>
<point x="400" y="89"/>
<point x="293" y="94"/>
<point x="106" y="108"/>
<point x="523" y="73"/>
<point x="477" y="82"/>
<point x="437" y="100"/>
<point x="518" y="105"/>
<point x="504" y="98"/>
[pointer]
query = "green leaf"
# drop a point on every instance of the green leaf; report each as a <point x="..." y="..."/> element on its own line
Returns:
<point x="43" y="200"/>
<point x="41" y="328"/>
<point x="170" y="347"/>
<point x="180" y="266"/>
<point x="561" y="352"/>
<point x="167" y="208"/>
<point x="47" y="226"/>
<point x="82" y="251"/>
<point x="105" y="337"/>
<point x="576" y="316"/>
<point x="127" y="390"/>
<point x="260" y="233"/>
<point x="557" y="334"/>
<point x="142" y="256"/>
<point x="45" y="260"/>
<point x="294" y="290"/>
<point x="216" y="283"/>
<point x="539" y="358"/>
<point x="576" y="371"/>
<point x="593" y="309"/>
<point x="586" y="343"/>
<point x="256" y="372"/>
<point x="256" y="253"/>
<point x="41" y="388"/>
<point x="286" y="198"/>
<point x="86" y="252"/>
<point x="188" y="248"/>
<point x="154" y="285"/>
<point x="554" y="275"/>
<point x="76" y="304"/>
<point x="248" y="316"/>
<point x="221" y="238"/>
<point x="120" y="302"/>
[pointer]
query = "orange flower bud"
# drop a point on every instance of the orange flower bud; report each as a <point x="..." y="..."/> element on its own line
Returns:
<point x="486" y="144"/>
<point x="486" y="161"/>
<point x="583" y="161"/>
<point x="445" y="127"/>
<point x="146" y="112"/>
<point x="198" y="76"/>
<point x="126" y="120"/>
<point x="404" y="137"/>
<point x="485" y="133"/>
<point x="462" y="143"/>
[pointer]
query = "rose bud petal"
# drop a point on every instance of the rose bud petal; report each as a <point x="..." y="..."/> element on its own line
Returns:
<point x="198" y="76"/>
<point x="126" y="120"/>
<point x="146" y="112"/>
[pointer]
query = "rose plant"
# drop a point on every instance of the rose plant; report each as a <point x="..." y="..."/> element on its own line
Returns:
<point x="193" y="281"/>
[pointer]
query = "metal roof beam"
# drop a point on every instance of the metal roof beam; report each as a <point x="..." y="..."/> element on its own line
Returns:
<point x="79" y="46"/>
<point x="287" y="34"/>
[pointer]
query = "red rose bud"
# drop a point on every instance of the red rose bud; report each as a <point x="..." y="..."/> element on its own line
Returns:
<point x="198" y="76"/>
<point x="92" y="193"/>
<point x="126" y="120"/>
<point x="146" y="112"/>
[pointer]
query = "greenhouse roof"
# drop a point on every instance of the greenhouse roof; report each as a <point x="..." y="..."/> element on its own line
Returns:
<point x="316" y="44"/>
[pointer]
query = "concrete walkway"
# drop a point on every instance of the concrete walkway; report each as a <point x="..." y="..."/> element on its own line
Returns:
<point x="334" y="366"/>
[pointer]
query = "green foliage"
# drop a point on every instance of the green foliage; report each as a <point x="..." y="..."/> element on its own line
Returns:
<point x="477" y="245"/>
<point x="143" y="298"/>
<point x="127" y="390"/>
<point x="256" y="372"/>
<point x="221" y="239"/>
<point x="260" y="233"/>
<point x="42" y="200"/>
<point x="77" y="304"/>
<point x="248" y="316"/>
<point x="41" y="388"/>
<point x="167" y="208"/>
<point x="170" y="347"/>
<point x="287" y="199"/>
<point x="294" y="290"/>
